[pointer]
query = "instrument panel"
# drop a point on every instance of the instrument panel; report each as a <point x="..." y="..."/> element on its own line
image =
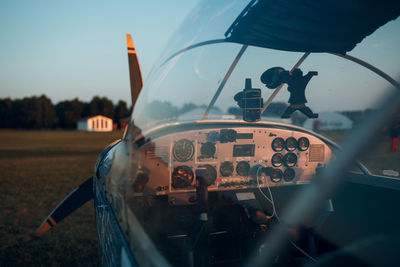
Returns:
<point x="231" y="159"/>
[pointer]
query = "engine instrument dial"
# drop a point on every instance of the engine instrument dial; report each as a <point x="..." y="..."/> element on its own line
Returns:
<point x="291" y="144"/>
<point x="290" y="159"/>
<point x="276" y="159"/>
<point x="303" y="143"/>
<point x="182" y="177"/>
<point x="227" y="135"/>
<point x="276" y="175"/>
<point x="278" y="144"/>
<point x="183" y="150"/>
<point x="243" y="168"/>
<point x="208" y="149"/>
<point x="226" y="168"/>
<point x="206" y="172"/>
<point x="288" y="174"/>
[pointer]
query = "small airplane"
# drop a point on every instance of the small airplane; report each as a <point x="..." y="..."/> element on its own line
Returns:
<point x="207" y="190"/>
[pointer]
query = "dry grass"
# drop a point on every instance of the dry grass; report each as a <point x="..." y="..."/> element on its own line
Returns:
<point x="377" y="156"/>
<point x="38" y="169"/>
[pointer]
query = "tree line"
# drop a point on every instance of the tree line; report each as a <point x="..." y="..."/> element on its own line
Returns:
<point x="38" y="112"/>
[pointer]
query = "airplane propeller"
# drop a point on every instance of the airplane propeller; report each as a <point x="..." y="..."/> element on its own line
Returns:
<point x="84" y="192"/>
<point x="72" y="202"/>
<point x="135" y="73"/>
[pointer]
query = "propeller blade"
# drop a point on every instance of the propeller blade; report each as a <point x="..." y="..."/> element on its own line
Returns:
<point x="73" y="201"/>
<point x="134" y="70"/>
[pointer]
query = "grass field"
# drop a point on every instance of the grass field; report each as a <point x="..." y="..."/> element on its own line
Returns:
<point x="377" y="156"/>
<point x="39" y="168"/>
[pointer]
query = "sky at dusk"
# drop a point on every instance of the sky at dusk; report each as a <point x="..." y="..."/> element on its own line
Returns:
<point x="69" y="49"/>
<point x="77" y="49"/>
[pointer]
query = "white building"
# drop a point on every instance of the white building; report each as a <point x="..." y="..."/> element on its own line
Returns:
<point x="329" y="121"/>
<point x="96" y="123"/>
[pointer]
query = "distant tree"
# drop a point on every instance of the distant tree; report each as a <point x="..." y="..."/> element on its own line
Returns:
<point x="23" y="113"/>
<point x="101" y="106"/>
<point x="357" y="116"/>
<point x="45" y="116"/>
<point x="86" y="110"/>
<point x="33" y="113"/>
<point x="274" y="110"/>
<point x="213" y="108"/>
<point x="39" y="112"/>
<point x="68" y="113"/>
<point x="121" y="112"/>
<point x="161" y="110"/>
<point x="187" y="107"/>
<point x="235" y="111"/>
<point x="6" y="113"/>
<point x="96" y="106"/>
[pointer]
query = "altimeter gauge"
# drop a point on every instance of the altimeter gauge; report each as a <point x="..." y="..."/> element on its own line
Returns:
<point x="183" y="150"/>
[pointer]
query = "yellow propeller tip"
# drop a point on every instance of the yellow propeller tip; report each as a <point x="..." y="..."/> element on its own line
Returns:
<point x="43" y="228"/>
<point x="129" y="41"/>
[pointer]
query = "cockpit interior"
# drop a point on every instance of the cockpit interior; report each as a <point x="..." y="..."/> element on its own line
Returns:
<point x="216" y="181"/>
<point x="218" y="167"/>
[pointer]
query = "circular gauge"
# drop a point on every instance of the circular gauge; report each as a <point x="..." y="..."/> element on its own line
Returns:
<point x="227" y="135"/>
<point x="291" y="144"/>
<point x="182" y="177"/>
<point x="303" y="143"/>
<point x="278" y="144"/>
<point x="207" y="150"/>
<point x="207" y="172"/>
<point x="243" y="168"/>
<point x="183" y="150"/>
<point x="226" y="168"/>
<point x="276" y="159"/>
<point x="212" y="136"/>
<point x="288" y="174"/>
<point x="290" y="159"/>
<point x="276" y="175"/>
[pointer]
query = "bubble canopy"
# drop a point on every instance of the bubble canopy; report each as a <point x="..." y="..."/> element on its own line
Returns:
<point x="215" y="141"/>
<point x="201" y="70"/>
